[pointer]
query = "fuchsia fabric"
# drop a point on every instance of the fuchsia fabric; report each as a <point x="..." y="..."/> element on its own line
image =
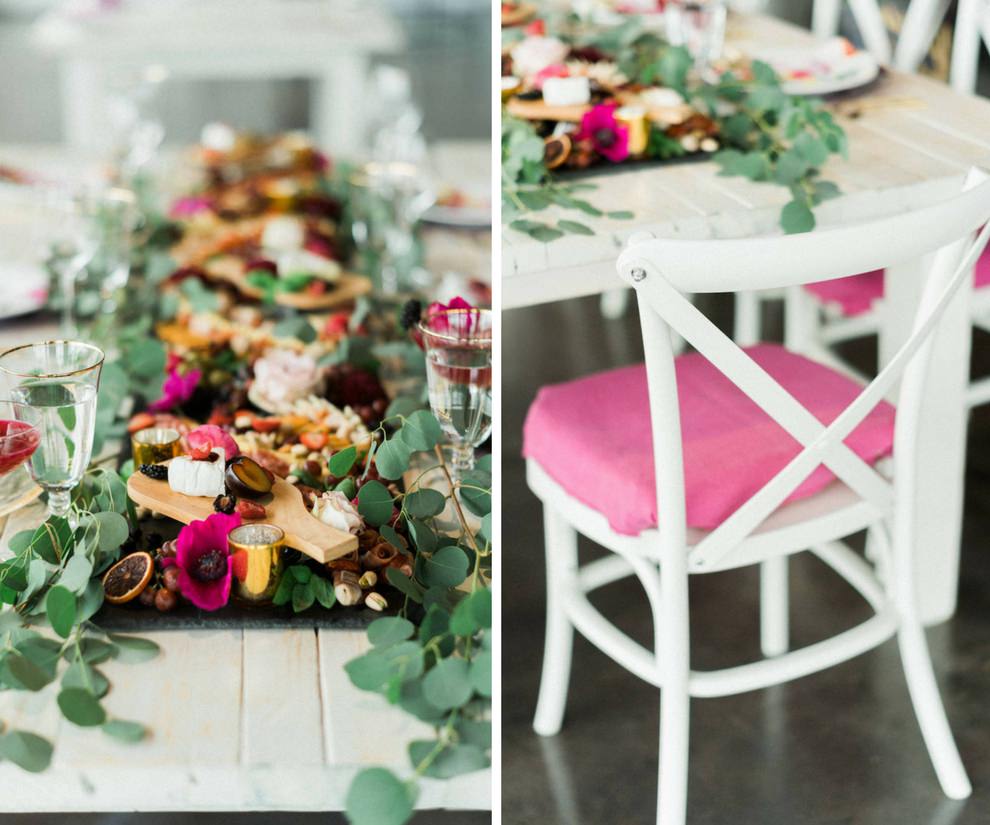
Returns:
<point x="855" y="295"/>
<point x="593" y="437"/>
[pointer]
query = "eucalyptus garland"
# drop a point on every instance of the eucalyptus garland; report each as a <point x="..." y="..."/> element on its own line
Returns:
<point x="766" y="135"/>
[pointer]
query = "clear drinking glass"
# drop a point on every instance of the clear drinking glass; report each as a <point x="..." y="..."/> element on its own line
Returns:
<point x="18" y="441"/>
<point x="52" y="387"/>
<point x="458" y="345"/>
<point x="388" y="201"/>
<point x="700" y="26"/>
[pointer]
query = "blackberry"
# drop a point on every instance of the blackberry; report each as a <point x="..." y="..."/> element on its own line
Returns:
<point x="159" y="472"/>
<point x="225" y="504"/>
<point x="411" y="312"/>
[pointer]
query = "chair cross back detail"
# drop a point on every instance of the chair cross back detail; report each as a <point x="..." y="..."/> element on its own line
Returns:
<point x="663" y="307"/>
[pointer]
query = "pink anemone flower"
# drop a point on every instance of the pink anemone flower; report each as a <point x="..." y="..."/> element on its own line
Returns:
<point x="176" y="389"/>
<point x="609" y="137"/>
<point x="203" y="559"/>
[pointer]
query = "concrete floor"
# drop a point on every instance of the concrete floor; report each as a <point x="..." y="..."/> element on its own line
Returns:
<point x="837" y="747"/>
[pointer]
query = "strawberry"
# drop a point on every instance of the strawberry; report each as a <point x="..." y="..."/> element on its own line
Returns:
<point x="266" y="425"/>
<point x="141" y="421"/>
<point x="314" y="440"/>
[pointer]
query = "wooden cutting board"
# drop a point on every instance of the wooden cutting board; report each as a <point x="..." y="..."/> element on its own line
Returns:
<point x="346" y="289"/>
<point x="285" y="509"/>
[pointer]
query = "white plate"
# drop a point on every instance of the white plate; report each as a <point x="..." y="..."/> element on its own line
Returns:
<point x="828" y="68"/>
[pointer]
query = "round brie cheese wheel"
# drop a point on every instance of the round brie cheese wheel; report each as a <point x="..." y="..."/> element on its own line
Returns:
<point x="566" y="91"/>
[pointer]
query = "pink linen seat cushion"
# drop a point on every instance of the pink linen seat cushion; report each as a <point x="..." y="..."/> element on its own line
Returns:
<point x="593" y="437"/>
<point x="856" y="294"/>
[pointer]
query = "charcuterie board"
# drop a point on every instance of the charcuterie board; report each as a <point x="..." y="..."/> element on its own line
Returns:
<point x="284" y="507"/>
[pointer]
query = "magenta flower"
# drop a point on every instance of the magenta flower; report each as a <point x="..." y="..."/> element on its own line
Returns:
<point x="609" y="137"/>
<point x="176" y="389"/>
<point x="203" y="558"/>
<point x="189" y="206"/>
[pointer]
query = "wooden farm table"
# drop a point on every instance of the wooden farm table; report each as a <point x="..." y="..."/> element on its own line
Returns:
<point x="240" y="720"/>
<point x="911" y="139"/>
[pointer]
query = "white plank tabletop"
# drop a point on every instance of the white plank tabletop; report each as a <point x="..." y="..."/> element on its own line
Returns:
<point x="240" y="720"/>
<point x="912" y="143"/>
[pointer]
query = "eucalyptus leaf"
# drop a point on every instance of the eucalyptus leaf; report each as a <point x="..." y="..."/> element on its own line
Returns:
<point x="392" y="458"/>
<point x="446" y="567"/>
<point x="124" y="730"/>
<point x="401" y="582"/>
<point x="424" y="503"/>
<point x="389" y="630"/>
<point x="134" y="649"/>
<point x="448" y="685"/>
<point x="80" y="707"/>
<point x="377" y="797"/>
<point x="452" y="760"/>
<point x="77" y="573"/>
<point x="375" y="503"/>
<point x="421" y="431"/>
<point x="341" y="462"/>
<point x="60" y="605"/>
<point x="481" y="673"/>
<point x="26" y="750"/>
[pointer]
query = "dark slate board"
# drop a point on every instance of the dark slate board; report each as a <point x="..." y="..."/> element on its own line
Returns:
<point x="140" y="619"/>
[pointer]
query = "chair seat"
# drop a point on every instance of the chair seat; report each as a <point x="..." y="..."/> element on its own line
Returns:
<point x="592" y="436"/>
<point x="856" y="294"/>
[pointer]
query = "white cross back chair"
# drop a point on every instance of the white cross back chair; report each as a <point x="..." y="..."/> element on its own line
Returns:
<point x="733" y="406"/>
<point x="821" y="315"/>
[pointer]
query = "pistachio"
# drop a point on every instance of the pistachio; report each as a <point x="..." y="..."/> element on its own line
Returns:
<point x="348" y="593"/>
<point x="376" y="601"/>
<point x="368" y="580"/>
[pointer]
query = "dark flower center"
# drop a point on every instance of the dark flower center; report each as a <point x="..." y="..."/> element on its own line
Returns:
<point x="604" y="137"/>
<point x="209" y="567"/>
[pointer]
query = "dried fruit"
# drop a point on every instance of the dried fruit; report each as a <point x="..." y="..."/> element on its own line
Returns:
<point x="159" y="472"/>
<point x="266" y="425"/>
<point x="250" y="509"/>
<point x="147" y="596"/>
<point x="128" y="577"/>
<point x="245" y="477"/>
<point x="170" y="578"/>
<point x="166" y="600"/>
<point x="556" y="150"/>
<point x="168" y="549"/>
<point x="314" y="440"/>
<point x="141" y="421"/>
<point x="225" y="504"/>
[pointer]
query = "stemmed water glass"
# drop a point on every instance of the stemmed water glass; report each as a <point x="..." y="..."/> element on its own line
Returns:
<point x="458" y="344"/>
<point x="52" y="387"/>
<point x="699" y="25"/>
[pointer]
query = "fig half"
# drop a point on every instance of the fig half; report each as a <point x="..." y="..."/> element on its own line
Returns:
<point x="246" y="478"/>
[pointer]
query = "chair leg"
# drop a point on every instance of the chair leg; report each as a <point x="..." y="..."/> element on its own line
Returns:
<point x="561" y="549"/>
<point x="673" y="646"/>
<point x="746" y="328"/>
<point x="921" y="682"/>
<point x="774" y="625"/>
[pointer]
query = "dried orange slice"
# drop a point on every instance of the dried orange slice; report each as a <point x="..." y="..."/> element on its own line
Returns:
<point x="128" y="577"/>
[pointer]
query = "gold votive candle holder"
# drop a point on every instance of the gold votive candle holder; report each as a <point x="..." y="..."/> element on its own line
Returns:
<point x="634" y="119"/>
<point x="154" y="445"/>
<point x="257" y="560"/>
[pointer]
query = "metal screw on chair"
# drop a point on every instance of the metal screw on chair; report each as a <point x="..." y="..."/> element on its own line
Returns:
<point x="638" y="274"/>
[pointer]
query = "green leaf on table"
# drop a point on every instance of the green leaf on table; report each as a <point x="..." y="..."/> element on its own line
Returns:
<point x="389" y="630"/>
<point x="134" y="649"/>
<point x="301" y="573"/>
<point x="341" y="461"/>
<point x="811" y="148"/>
<point x="53" y="539"/>
<point x="80" y="707"/>
<point x="302" y="597"/>
<point x="381" y="664"/>
<point x="797" y="217"/>
<point x="453" y="760"/>
<point x="791" y="167"/>
<point x="424" y="503"/>
<point x="448" y="685"/>
<point x="536" y="230"/>
<point x="323" y="591"/>
<point x="473" y="732"/>
<point x="113" y="530"/>
<point x="481" y="673"/>
<point x="423" y="537"/>
<point x="620" y="215"/>
<point x="392" y="458"/>
<point x="412" y="701"/>
<point x="41" y="651"/>
<point x="401" y="582"/>
<point x="92" y="650"/>
<point x="473" y="613"/>
<point x="21" y="673"/>
<point x="81" y="675"/>
<point x="421" y="430"/>
<point x="90" y="601"/>
<point x="283" y="593"/>
<point x="378" y="797"/>
<point x="124" y="730"/>
<point x="26" y="750"/>
<point x="60" y="605"/>
<point x="575" y="227"/>
<point x="826" y="190"/>
<point x="77" y="573"/>
<point x="295" y="327"/>
<point x="375" y="503"/>
<point x="447" y="567"/>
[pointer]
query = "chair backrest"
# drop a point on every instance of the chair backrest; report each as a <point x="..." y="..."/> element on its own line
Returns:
<point x="664" y="271"/>
<point x="825" y="23"/>
<point x="972" y="25"/>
